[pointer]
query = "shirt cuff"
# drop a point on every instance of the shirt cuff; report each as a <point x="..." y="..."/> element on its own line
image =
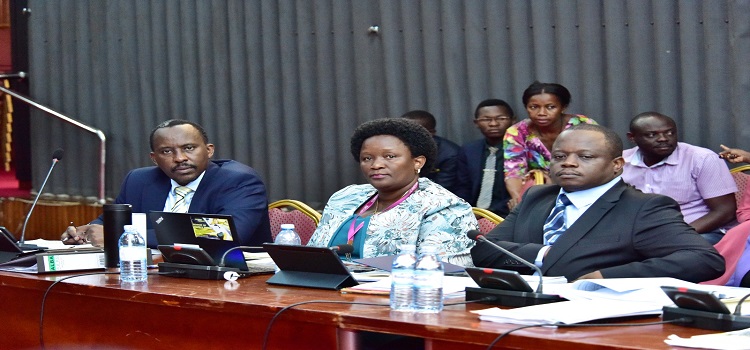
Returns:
<point x="540" y="256"/>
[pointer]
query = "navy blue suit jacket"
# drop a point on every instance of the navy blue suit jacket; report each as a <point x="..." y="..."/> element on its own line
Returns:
<point x="625" y="233"/>
<point x="228" y="187"/>
<point x="470" y="170"/>
<point x="444" y="172"/>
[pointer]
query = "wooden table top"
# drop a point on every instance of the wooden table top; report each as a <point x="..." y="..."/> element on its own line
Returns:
<point x="253" y="298"/>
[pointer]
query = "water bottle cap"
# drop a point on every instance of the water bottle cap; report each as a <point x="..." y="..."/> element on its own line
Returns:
<point x="287" y="226"/>
<point x="128" y="228"/>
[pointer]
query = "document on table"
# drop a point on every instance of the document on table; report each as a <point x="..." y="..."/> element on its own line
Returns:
<point x="635" y="289"/>
<point x="734" y="340"/>
<point x="453" y="286"/>
<point x="569" y="312"/>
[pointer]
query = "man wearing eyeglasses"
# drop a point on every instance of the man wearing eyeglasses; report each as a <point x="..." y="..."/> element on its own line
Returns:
<point x="693" y="176"/>
<point x="480" y="163"/>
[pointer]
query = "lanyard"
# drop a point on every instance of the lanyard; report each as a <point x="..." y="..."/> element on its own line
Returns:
<point x="353" y="230"/>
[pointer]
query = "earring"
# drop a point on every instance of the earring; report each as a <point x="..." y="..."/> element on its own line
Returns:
<point x="419" y="170"/>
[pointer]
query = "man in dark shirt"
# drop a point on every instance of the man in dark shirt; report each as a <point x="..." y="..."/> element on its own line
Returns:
<point x="444" y="172"/>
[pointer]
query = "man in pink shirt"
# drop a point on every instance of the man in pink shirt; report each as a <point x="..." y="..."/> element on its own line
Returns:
<point x="693" y="176"/>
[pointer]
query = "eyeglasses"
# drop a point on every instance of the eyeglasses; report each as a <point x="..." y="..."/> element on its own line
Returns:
<point x="493" y="119"/>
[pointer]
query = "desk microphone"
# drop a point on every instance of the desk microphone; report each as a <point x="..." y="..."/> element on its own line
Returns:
<point x="56" y="157"/>
<point x="478" y="236"/>
<point x="510" y="297"/>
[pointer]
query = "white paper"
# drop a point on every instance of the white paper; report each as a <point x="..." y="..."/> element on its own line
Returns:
<point x="735" y="340"/>
<point x="568" y="312"/>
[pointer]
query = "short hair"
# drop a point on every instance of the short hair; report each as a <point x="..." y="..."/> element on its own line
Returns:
<point x="493" y="102"/>
<point x="644" y="115"/>
<point x="537" y="88"/>
<point x="176" y="122"/>
<point x="414" y="136"/>
<point x="612" y="140"/>
<point x="426" y="117"/>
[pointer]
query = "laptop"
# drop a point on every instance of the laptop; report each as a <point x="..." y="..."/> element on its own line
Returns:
<point x="214" y="233"/>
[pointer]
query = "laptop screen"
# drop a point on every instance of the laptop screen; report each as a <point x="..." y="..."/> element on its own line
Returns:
<point x="214" y="233"/>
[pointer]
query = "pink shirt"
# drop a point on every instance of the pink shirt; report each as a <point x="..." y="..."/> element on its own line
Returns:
<point x="688" y="175"/>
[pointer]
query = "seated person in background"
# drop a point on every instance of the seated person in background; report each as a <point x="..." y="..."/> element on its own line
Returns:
<point x="397" y="207"/>
<point x="693" y="176"/>
<point x="485" y="188"/>
<point x="182" y="155"/>
<point x="734" y="155"/>
<point x="596" y="225"/>
<point x="444" y="171"/>
<point x="527" y="143"/>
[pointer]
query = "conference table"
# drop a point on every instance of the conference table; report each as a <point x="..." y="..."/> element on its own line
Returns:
<point x="97" y="311"/>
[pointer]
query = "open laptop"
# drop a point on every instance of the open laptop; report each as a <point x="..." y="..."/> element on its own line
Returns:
<point x="213" y="232"/>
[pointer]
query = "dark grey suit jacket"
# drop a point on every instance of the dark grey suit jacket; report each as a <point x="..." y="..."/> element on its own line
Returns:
<point x="625" y="233"/>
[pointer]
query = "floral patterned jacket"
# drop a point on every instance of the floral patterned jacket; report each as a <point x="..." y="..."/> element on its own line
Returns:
<point x="430" y="216"/>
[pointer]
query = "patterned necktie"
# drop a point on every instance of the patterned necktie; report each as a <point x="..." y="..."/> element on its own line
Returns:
<point x="554" y="227"/>
<point x="180" y="203"/>
<point x="488" y="179"/>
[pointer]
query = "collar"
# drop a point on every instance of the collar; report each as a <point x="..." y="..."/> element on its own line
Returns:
<point x="193" y="185"/>
<point x="584" y="198"/>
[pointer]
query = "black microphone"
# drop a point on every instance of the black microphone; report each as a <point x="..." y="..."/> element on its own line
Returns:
<point x="343" y="248"/>
<point x="508" y="297"/>
<point x="56" y="157"/>
<point x="478" y="236"/>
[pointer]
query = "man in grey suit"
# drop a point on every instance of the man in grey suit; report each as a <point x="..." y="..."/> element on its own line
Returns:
<point x="593" y="225"/>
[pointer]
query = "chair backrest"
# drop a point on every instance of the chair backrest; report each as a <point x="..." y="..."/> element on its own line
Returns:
<point x="289" y="211"/>
<point x="487" y="220"/>
<point x="742" y="180"/>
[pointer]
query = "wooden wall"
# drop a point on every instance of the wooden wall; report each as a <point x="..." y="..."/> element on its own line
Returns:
<point x="50" y="218"/>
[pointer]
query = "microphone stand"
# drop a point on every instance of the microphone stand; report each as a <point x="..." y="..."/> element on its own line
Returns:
<point x="22" y="242"/>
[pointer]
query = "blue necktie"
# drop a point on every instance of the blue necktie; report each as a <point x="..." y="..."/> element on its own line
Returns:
<point x="554" y="227"/>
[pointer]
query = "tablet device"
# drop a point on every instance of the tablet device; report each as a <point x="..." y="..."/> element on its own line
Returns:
<point x="498" y="279"/>
<point x="304" y="266"/>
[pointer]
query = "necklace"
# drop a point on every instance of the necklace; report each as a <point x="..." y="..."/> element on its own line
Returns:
<point x="377" y="203"/>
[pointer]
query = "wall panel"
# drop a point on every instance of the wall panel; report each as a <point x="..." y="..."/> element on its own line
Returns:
<point x="281" y="84"/>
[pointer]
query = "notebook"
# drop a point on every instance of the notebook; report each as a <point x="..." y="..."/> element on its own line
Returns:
<point x="214" y="233"/>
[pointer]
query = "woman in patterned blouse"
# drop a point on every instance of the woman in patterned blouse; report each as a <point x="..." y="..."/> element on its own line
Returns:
<point x="526" y="144"/>
<point x="396" y="207"/>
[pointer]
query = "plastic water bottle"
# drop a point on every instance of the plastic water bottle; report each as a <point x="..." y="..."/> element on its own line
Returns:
<point x="428" y="281"/>
<point x="402" y="279"/>
<point x="132" y="245"/>
<point x="287" y="235"/>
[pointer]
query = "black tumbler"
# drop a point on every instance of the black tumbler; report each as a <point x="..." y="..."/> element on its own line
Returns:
<point x="116" y="216"/>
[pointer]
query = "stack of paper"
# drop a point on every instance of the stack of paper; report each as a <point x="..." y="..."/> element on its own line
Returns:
<point x="569" y="312"/>
<point x="452" y="286"/>
<point x="735" y="340"/>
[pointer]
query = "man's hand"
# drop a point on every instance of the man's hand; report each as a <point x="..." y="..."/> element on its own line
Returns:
<point x="734" y="155"/>
<point x="84" y="234"/>
<point x="591" y="276"/>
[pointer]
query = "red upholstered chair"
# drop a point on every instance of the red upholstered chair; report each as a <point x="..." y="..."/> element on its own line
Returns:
<point x="742" y="179"/>
<point x="487" y="220"/>
<point x="289" y="211"/>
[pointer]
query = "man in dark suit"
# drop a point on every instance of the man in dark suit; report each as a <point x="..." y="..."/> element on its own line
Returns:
<point x="182" y="155"/>
<point x="492" y="117"/>
<point x="607" y="229"/>
<point x="444" y="171"/>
